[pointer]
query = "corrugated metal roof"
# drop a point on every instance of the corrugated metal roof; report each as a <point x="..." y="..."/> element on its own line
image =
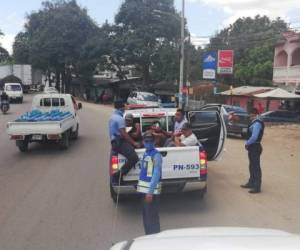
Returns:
<point x="246" y="91"/>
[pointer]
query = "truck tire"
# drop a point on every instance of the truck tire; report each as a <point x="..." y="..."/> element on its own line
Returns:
<point x="74" y="135"/>
<point x="22" y="145"/>
<point x="114" y="195"/>
<point x="64" y="141"/>
<point x="21" y="100"/>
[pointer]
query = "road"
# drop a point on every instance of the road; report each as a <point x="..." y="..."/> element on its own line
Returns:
<point x="52" y="199"/>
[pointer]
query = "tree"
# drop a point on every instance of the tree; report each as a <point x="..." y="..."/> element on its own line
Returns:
<point x="61" y="38"/>
<point x="21" y="48"/>
<point x="145" y="28"/>
<point x="252" y="40"/>
<point x="4" y="55"/>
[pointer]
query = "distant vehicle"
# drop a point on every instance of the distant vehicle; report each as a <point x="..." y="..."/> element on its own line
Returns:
<point x="143" y="98"/>
<point x="280" y="116"/>
<point x="214" y="238"/>
<point x="236" y="118"/>
<point x="4" y="105"/>
<point x="53" y="118"/>
<point x="50" y="90"/>
<point x="21" y="71"/>
<point x="14" y="91"/>
<point x="184" y="168"/>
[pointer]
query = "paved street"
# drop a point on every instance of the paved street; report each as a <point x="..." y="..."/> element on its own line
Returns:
<point x="59" y="200"/>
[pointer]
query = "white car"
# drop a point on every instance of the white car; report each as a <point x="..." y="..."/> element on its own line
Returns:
<point x="214" y="238"/>
<point x="14" y="91"/>
<point x="143" y="98"/>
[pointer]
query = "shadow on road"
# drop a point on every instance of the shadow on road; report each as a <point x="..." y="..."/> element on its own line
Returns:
<point x="171" y="204"/>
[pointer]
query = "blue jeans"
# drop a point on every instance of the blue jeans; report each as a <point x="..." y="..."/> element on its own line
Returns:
<point x="151" y="215"/>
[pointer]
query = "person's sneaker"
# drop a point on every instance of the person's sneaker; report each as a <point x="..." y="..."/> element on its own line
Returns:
<point x="254" y="191"/>
<point x="247" y="185"/>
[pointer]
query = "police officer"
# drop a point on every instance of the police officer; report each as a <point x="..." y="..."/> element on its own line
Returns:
<point x="121" y="142"/>
<point x="253" y="145"/>
<point x="149" y="184"/>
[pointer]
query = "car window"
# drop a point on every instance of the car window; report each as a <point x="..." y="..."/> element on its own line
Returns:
<point x="198" y="118"/>
<point x="234" y="109"/>
<point x="148" y="97"/>
<point x="55" y="102"/>
<point x="147" y="122"/>
<point x="13" y="87"/>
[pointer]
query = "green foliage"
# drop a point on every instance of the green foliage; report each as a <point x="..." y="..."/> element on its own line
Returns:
<point x="145" y="28"/>
<point x="252" y="40"/>
<point x="60" y="36"/>
<point x="4" y="55"/>
<point x="21" y="48"/>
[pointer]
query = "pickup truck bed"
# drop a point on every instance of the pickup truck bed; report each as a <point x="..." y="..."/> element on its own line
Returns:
<point x="184" y="168"/>
<point x="41" y="127"/>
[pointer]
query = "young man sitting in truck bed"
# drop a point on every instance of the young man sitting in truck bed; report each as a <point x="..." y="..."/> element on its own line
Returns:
<point x="188" y="138"/>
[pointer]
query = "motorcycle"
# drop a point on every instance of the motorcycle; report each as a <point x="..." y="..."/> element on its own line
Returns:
<point x="4" y="106"/>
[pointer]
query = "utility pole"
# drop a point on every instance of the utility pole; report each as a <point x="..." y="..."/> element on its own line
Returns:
<point x="181" y="57"/>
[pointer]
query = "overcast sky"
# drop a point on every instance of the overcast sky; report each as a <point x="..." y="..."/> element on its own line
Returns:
<point x="204" y="17"/>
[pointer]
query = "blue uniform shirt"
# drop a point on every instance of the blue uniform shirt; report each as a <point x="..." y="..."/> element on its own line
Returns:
<point x="255" y="130"/>
<point x="116" y="123"/>
<point x="157" y="160"/>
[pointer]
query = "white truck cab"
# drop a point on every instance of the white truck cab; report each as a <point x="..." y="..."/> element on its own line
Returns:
<point x="184" y="168"/>
<point x="14" y="91"/>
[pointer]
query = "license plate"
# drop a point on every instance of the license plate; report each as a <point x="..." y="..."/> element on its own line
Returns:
<point x="244" y="130"/>
<point x="37" y="137"/>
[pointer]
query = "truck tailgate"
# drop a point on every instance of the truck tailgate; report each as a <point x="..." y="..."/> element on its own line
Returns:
<point x="178" y="163"/>
<point x="43" y="127"/>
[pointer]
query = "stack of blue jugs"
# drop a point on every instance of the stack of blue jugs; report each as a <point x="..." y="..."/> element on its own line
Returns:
<point x="37" y="115"/>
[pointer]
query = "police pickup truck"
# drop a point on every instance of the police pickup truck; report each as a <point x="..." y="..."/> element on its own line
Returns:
<point x="184" y="168"/>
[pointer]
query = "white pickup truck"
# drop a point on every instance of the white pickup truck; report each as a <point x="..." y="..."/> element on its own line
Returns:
<point x="184" y="168"/>
<point x="59" y="130"/>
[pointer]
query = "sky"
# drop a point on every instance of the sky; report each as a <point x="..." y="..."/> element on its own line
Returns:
<point x="204" y="17"/>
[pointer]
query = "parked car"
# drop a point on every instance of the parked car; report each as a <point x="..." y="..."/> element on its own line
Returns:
<point x="236" y="118"/>
<point x="215" y="238"/>
<point x="14" y="91"/>
<point x="280" y="116"/>
<point x="143" y="98"/>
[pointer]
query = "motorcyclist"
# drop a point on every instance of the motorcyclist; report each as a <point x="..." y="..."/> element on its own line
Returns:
<point x="4" y="99"/>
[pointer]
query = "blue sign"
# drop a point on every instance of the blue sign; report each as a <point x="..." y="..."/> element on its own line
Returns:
<point x="209" y="64"/>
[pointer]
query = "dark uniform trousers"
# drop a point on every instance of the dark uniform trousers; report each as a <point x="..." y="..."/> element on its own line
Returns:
<point x="122" y="147"/>
<point x="151" y="215"/>
<point x="254" y="152"/>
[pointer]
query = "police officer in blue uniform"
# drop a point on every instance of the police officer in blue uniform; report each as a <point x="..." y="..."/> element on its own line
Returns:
<point x="121" y="142"/>
<point x="253" y="145"/>
<point x="149" y="184"/>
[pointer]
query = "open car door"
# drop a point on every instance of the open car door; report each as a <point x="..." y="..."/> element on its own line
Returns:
<point x="210" y="129"/>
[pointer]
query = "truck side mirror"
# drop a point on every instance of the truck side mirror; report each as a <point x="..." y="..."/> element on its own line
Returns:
<point x="79" y="105"/>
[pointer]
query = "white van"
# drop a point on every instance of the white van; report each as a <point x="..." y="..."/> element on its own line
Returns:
<point x="14" y="91"/>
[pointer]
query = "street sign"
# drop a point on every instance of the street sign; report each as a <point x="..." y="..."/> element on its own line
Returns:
<point x="225" y="61"/>
<point x="209" y="65"/>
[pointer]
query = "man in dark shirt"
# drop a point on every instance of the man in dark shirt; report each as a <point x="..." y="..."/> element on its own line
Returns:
<point x="254" y="148"/>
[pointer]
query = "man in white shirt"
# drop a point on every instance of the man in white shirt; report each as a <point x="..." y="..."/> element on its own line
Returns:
<point x="188" y="138"/>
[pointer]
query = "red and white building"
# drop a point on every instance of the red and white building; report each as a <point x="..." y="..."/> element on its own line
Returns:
<point x="286" y="71"/>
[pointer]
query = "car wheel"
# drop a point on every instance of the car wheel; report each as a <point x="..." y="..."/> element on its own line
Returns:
<point x="114" y="194"/>
<point x="22" y="145"/>
<point x="65" y="142"/>
<point x="75" y="134"/>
